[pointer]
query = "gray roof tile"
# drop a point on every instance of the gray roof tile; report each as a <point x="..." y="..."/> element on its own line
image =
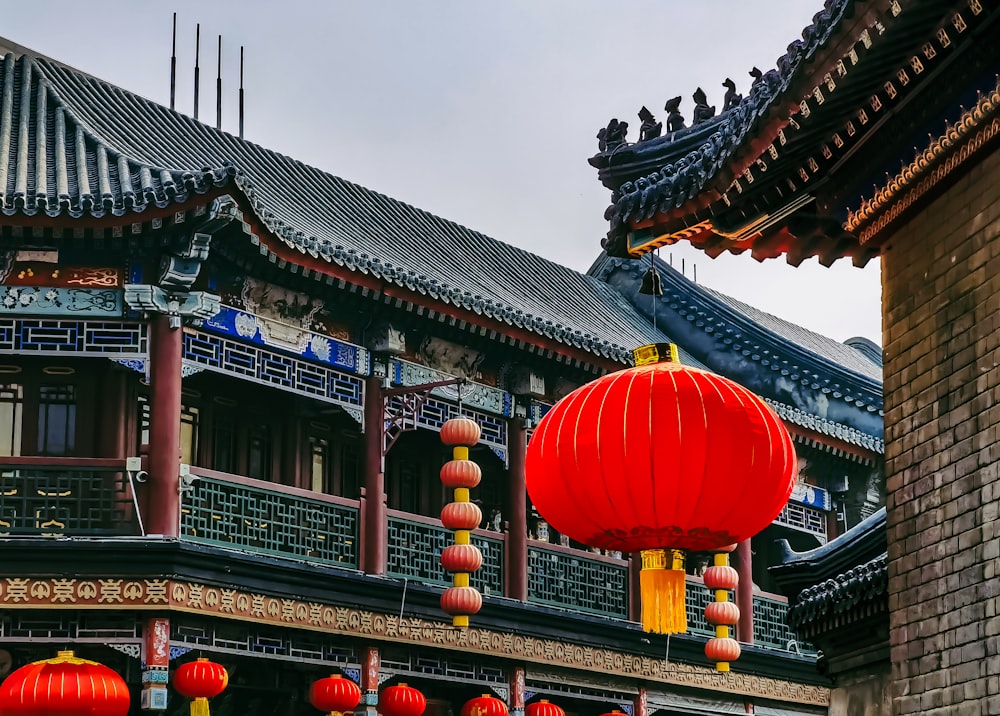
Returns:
<point x="72" y="145"/>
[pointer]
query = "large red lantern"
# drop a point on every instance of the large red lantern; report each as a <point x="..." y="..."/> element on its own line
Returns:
<point x="64" y="686"/>
<point x="200" y="680"/>
<point x="334" y="694"/>
<point x="656" y="459"/>
<point x="485" y="705"/>
<point x="543" y="707"/>
<point x="401" y="700"/>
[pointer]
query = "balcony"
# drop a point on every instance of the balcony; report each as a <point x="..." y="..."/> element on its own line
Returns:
<point x="92" y="497"/>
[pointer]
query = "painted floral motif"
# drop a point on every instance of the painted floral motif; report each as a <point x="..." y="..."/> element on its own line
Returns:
<point x="246" y="325"/>
<point x="321" y="347"/>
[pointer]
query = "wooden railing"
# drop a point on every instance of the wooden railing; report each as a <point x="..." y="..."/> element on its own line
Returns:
<point x="66" y="497"/>
<point x="415" y="544"/>
<point x="238" y="512"/>
<point x="86" y="497"/>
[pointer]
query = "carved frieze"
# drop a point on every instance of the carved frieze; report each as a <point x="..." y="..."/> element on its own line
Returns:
<point x="230" y="603"/>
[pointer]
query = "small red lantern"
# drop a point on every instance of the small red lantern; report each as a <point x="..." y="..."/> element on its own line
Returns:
<point x="461" y="601"/>
<point x="460" y="431"/>
<point x="200" y="680"/>
<point x="64" y="686"/>
<point x="722" y="651"/>
<point x="461" y="558"/>
<point x="614" y="712"/>
<point x="460" y="473"/>
<point x="335" y="695"/>
<point x="722" y="613"/>
<point x="484" y="705"/>
<point x="461" y="515"/>
<point x="401" y="700"/>
<point x="660" y="458"/>
<point x="543" y="707"/>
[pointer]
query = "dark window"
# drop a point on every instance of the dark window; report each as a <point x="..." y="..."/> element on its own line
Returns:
<point x="56" y="419"/>
<point x="11" y="405"/>
<point x="224" y="443"/>
<point x="259" y="452"/>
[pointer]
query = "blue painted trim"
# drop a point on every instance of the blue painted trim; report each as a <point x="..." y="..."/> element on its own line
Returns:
<point x="315" y="347"/>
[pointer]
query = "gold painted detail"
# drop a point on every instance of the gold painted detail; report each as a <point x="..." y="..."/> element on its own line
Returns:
<point x="221" y="602"/>
<point x="940" y="157"/>
<point x="637" y="248"/>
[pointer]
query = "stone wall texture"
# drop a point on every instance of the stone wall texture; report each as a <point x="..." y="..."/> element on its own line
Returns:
<point x="941" y="329"/>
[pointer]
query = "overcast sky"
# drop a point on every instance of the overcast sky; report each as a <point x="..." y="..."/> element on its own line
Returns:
<point x="480" y="111"/>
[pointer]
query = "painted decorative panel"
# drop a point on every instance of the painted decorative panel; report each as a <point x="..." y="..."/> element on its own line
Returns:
<point x="58" y="337"/>
<point x="307" y="344"/>
<point x="433" y="413"/>
<point x="280" y="371"/>
<point x="48" y="301"/>
<point x="476" y="395"/>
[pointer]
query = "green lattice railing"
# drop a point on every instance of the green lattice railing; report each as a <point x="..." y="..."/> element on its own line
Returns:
<point x="415" y="545"/>
<point x="257" y="516"/>
<point x="770" y="626"/>
<point x="65" y="497"/>
<point x="570" y="578"/>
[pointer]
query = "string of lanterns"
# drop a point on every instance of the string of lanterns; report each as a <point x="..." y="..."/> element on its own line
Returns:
<point x="461" y="558"/>
<point x="67" y="685"/>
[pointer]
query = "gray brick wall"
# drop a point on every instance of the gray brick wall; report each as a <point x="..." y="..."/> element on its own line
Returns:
<point x="941" y="315"/>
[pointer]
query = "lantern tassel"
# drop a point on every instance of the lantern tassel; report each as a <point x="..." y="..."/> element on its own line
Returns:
<point x="663" y="584"/>
<point x="199" y="707"/>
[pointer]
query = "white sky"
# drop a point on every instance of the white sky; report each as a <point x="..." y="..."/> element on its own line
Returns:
<point x="480" y="111"/>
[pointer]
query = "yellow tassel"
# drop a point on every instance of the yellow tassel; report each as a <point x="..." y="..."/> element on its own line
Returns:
<point x="199" y="707"/>
<point x="662" y="584"/>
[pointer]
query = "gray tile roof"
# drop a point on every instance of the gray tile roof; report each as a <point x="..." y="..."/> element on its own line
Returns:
<point x="840" y="353"/>
<point x="74" y="146"/>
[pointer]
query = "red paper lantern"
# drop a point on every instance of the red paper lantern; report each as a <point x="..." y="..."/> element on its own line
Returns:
<point x="334" y="694"/>
<point x="543" y="707"/>
<point x="655" y="457"/>
<point x="484" y="705"/>
<point x="722" y="613"/>
<point x="460" y="431"/>
<point x="461" y="473"/>
<point x="721" y="577"/>
<point x="461" y="516"/>
<point x="200" y="680"/>
<point x="461" y="558"/>
<point x="461" y="601"/>
<point x="64" y="686"/>
<point x="401" y="700"/>
<point x="614" y="712"/>
<point x="722" y="651"/>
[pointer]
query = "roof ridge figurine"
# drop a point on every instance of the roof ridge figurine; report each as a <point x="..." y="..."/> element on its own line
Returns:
<point x="650" y="128"/>
<point x="675" y="120"/>
<point x="702" y="110"/>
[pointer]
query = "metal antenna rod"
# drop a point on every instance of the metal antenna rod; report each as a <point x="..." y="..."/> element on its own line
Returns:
<point x="173" y="65"/>
<point x="197" y="69"/>
<point x="241" y="91"/>
<point x="218" y="90"/>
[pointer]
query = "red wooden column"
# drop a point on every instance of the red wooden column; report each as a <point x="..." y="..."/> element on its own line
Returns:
<point x="163" y="495"/>
<point x="517" y="511"/>
<point x="370" y="680"/>
<point x="376" y="522"/>
<point x="744" y="591"/>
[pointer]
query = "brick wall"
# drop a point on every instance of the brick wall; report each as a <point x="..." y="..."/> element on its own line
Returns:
<point x="941" y="315"/>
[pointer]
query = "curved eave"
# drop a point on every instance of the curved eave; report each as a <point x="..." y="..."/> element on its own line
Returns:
<point x="295" y="251"/>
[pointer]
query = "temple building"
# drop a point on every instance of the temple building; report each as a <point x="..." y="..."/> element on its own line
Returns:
<point x="222" y="377"/>
<point x="875" y="135"/>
